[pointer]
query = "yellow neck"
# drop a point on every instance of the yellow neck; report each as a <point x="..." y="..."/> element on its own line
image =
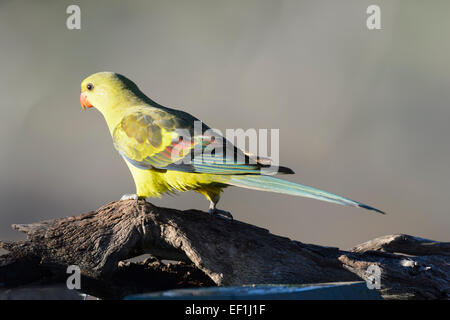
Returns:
<point x="113" y="117"/>
<point x="113" y="110"/>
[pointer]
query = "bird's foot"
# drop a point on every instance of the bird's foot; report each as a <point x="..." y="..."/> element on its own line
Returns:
<point x="134" y="197"/>
<point x="129" y="197"/>
<point x="220" y="213"/>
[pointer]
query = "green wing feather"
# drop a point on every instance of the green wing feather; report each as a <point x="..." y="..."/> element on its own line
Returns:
<point x="154" y="138"/>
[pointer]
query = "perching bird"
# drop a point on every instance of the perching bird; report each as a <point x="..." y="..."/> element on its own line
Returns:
<point x="162" y="159"/>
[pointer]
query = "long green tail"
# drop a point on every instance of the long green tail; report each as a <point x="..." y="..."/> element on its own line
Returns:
<point x="269" y="183"/>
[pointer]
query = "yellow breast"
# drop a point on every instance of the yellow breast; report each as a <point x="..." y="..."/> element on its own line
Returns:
<point x="153" y="183"/>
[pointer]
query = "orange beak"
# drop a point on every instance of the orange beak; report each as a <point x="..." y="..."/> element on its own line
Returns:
<point x="84" y="101"/>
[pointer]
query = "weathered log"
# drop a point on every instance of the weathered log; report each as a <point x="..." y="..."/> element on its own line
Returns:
<point x="213" y="251"/>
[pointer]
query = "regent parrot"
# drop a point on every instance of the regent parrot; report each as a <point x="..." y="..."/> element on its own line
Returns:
<point x="146" y="135"/>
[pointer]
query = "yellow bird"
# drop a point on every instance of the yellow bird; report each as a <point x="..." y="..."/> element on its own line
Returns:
<point x="166" y="150"/>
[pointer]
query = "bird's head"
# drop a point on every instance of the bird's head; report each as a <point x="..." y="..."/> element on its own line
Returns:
<point x="107" y="91"/>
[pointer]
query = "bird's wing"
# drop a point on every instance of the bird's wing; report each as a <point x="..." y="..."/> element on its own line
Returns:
<point x="154" y="138"/>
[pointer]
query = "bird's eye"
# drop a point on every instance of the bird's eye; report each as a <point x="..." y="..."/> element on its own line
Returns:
<point x="90" y="86"/>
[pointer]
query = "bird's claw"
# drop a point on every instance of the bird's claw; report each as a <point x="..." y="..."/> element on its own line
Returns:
<point x="129" y="197"/>
<point x="220" y="213"/>
<point x="134" y="197"/>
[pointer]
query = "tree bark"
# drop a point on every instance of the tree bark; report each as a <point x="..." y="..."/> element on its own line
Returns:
<point x="211" y="250"/>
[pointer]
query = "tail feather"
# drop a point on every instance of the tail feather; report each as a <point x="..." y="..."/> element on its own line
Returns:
<point x="269" y="183"/>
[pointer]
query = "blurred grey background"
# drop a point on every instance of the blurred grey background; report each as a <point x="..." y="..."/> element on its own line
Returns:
<point x="361" y="113"/>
